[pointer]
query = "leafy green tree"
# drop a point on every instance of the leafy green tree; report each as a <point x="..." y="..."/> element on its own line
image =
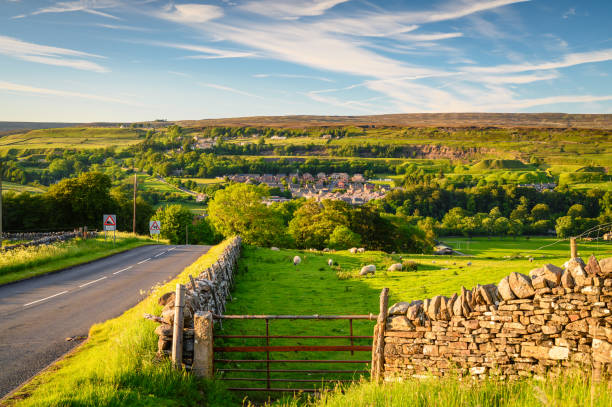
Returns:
<point x="174" y="221"/>
<point x="577" y="211"/>
<point x="238" y="209"/>
<point x="565" y="226"/>
<point x="540" y="212"/>
<point x="343" y="238"/>
<point x="314" y="222"/>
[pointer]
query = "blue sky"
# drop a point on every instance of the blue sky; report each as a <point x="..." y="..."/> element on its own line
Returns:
<point x="131" y="60"/>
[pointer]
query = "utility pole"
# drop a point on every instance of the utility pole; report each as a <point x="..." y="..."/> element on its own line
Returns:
<point x="135" y="188"/>
<point x="1" y="168"/>
<point x="187" y="235"/>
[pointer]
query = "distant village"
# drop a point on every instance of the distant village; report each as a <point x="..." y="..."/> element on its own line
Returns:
<point x="355" y="190"/>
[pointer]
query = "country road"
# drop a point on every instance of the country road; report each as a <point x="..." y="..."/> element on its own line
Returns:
<point x="37" y="315"/>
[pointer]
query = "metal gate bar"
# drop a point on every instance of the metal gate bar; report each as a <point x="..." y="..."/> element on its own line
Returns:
<point x="267" y="349"/>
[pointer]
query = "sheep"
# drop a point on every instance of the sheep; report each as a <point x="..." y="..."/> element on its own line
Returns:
<point x="297" y="260"/>
<point x="361" y="250"/>
<point x="330" y="262"/>
<point x="353" y="250"/>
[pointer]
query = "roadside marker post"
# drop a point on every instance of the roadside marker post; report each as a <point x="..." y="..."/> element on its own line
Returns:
<point x="110" y="223"/>
<point x="155" y="228"/>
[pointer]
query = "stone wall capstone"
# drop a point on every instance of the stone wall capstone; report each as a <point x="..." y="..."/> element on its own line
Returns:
<point x="211" y="291"/>
<point x="555" y="317"/>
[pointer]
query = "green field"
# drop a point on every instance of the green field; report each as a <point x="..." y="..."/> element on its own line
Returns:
<point x="11" y="186"/>
<point x="29" y="262"/>
<point x="269" y="283"/>
<point x="79" y="138"/>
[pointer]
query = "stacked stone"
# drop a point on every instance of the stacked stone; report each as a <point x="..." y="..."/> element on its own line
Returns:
<point x="210" y="293"/>
<point x="37" y="239"/>
<point x="550" y="319"/>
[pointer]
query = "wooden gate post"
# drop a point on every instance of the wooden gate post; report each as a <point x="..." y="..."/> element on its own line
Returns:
<point x="203" y="344"/>
<point x="378" y="344"/>
<point x="573" y="248"/>
<point x="177" y="332"/>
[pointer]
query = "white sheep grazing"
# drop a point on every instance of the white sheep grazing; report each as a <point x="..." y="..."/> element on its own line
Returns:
<point x="361" y="250"/>
<point x="296" y="260"/>
<point x="330" y="262"/>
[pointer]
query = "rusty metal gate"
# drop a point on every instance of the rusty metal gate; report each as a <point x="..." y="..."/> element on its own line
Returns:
<point x="251" y="362"/>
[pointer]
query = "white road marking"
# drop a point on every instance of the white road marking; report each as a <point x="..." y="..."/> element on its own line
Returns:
<point x="172" y="248"/>
<point x="144" y="261"/>
<point x="91" y="282"/>
<point x="51" y="296"/>
<point x="120" y="271"/>
<point x="157" y="255"/>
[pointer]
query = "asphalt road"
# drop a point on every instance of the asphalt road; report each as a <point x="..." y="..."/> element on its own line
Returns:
<point x="37" y="315"/>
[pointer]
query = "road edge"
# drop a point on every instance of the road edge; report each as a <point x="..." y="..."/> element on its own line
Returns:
<point x="78" y="265"/>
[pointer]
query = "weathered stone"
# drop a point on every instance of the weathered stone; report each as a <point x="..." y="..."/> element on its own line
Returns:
<point x="434" y="307"/>
<point x="395" y="267"/>
<point x="457" y="307"/>
<point x="400" y="323"/>
<point x="592" y="268"/>
<point x="166" y="298"/>
<point x="602" y="351"/>
<point x="567" y="281"/>
<point x="558" y="353"/>
<point x="399" y="308"/>
<point x="576" y="269"/>
<point x="504" y="289"/>
<point x="164" y="330"/>
<point x="414" y="310"/>
<point x="450" y="304"/>
<point x="606" y="267"/>
<point x="369" y="269"/>
<point x="521" y="285"/>
<point x="580" y="326"/>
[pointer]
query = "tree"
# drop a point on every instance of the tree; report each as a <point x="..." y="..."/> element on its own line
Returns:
<point x="577" y="211"/>
<point x="174" y="220"/>
<point x="314" y="222"/>
<point x="540" y="212"/>
<point x="238" y="210"/>
<point x="343" y="238"/>
<point x="565" y="226"/>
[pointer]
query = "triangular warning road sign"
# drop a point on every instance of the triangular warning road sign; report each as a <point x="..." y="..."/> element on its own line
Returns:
<point x="109" y="221"/>
<point x="154" y="226"/>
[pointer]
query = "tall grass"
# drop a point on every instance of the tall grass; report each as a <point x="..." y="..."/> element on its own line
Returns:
<point x="117" y="366"/>
<point x="31" y="261"/>
<point x="572" y="389"/>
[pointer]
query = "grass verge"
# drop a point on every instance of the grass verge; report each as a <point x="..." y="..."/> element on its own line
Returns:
<point x="29" y="262"/>
<point x="571" y="389"/>
<point x="116" y="366"/>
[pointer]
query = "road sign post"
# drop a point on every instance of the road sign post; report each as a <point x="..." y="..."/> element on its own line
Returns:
<point x="155" y="228"/>
<point x="110" y="223"/>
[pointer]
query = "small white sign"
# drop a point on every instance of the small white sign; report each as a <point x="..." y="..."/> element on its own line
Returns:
<point x="154" y="227"/>
<point x="109" y="222"/>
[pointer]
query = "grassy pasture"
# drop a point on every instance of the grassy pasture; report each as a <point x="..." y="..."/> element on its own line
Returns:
<point x="11" y="186"/>
<point x="28" y="262"/>
<point x="80" y="138"/>
<point x="269" y="283"/>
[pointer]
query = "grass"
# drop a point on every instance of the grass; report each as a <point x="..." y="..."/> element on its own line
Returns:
<point x="571" y="389"/>
<point x="116" y="366"/>
<point x="79" y="138"/>
<point x="269" y="283"/>
<point x="11" y="186"/>
<point x="28" y="262"/>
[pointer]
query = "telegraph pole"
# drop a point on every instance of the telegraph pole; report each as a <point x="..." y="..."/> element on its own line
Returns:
<point x="1" y="168"/>
<point x="135" y="187"/>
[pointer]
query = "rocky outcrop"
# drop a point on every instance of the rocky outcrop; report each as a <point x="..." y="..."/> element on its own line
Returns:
<point x="555" y="316"/>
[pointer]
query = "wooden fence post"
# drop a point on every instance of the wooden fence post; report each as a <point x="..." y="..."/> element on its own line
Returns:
<point x="573" y="248"/>
<point x="177" y="333"/>
<point x="378" y="344"/>
<point x="203" y="344"/>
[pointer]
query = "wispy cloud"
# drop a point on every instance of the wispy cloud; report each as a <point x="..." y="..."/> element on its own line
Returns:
<point x="228" y="89"/>
<point x="47" y="55"/>
<point x="86" y="6"/>
<point x="567" y="61"/>
<point x="291" y="76"/>
<point x="290" y="9"/>
<point x="190" y="13"/>
<point x="569" y="13"/>
<point x="14" y="87"/>
<point x="123" y="27"/>
<point x="204" y="52"/>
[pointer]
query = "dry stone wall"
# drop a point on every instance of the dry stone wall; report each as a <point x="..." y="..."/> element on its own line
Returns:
<point x="210" y="293"/>
<point x="555" y="317"/>
<point x="38" y="239"/>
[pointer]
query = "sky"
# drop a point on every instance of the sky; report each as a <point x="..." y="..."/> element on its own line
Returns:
<point x="136" y="60"/>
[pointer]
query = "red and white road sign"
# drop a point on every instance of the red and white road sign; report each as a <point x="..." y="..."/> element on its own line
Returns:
<point x="109" y="222"/>
<point x="154" y="227"/>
